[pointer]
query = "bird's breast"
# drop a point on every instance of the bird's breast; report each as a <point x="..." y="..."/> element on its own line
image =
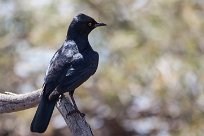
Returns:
<point x="88" y="59"/>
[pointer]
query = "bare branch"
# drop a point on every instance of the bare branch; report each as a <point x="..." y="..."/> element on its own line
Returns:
<point x="75" y="122"/>
<point x="17" y="102"/>
<point x="10" y="102"/>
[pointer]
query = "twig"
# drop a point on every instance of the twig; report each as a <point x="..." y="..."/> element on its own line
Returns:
<point x="10" y="102"/>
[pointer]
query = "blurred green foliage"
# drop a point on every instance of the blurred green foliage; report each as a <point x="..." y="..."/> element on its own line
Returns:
<point x="150" y="81"/>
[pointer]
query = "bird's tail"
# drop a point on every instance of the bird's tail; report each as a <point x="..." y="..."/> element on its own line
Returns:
<point x="43" y="114"/>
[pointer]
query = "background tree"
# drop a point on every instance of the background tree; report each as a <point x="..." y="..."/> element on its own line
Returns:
<point x="150" y="79"/>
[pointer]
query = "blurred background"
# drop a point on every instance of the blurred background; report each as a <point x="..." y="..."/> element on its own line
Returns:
<point x="150" y="80"/>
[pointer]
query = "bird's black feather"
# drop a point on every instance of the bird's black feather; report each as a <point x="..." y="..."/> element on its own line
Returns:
<point x="71" y="66"/>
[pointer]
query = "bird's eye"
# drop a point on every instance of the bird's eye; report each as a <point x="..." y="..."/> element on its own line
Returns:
<point x="89" y="24"/>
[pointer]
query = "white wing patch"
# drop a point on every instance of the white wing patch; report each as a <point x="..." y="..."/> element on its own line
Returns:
<point x="77" y="56"/>
<point x="69" y="49"/>
<point x="55" y="56"/>
<point x="76" y="19"/>
<point x="69" y="54"/>
<point x="47" y="70"/>
<point x="70" y="71"/>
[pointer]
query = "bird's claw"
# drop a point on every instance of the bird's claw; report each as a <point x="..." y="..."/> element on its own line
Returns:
<point x="75" y="111"/>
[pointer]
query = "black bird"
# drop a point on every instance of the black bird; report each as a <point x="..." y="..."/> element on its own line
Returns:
<point x="70" y="66"/>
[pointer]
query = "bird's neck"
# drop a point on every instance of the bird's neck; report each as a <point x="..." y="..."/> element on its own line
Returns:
<point x="81" y="41"/>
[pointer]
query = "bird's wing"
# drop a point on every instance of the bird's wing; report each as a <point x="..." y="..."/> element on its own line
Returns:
<point x="80" y="70"/>
<point x="60" y="62"/>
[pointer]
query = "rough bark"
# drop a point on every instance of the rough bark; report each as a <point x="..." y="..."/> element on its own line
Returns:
<point x="75" y="122"/>
<point x="10" y="102"/>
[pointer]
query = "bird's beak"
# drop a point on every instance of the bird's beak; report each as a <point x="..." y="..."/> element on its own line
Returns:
<point x="100" y="24"/>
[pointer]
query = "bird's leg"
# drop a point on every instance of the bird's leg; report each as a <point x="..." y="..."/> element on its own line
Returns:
<point x="76" y="110"/>
<point x="73" y="101"/>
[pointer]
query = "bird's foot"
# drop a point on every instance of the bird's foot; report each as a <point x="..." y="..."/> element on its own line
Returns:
<point x="76" y="111"/>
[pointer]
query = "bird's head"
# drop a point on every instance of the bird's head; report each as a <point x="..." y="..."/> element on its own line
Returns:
<point x="83" y="25"/>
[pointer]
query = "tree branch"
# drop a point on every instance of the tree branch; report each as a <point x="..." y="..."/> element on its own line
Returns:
<point x="11" y="102"/>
